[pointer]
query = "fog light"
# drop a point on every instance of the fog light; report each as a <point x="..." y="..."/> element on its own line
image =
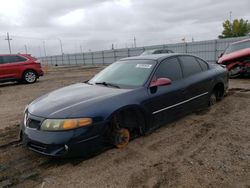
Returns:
<point x="66" y="147"/>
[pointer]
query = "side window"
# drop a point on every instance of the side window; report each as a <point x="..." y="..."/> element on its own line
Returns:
<point x="1" y="60"/>
<point x="190" y="65"/>
<point x="13" y="59"/>
<point x="169" y="69"/>
<point x="203" y="64"/>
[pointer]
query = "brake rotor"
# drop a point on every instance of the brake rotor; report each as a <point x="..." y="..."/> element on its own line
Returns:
<point x="122" y="137"/>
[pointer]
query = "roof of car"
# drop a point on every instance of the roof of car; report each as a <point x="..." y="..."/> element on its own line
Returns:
<point x="245" y="40"/>
<point x="14" y="54"/>
<point x="156" y="57"/>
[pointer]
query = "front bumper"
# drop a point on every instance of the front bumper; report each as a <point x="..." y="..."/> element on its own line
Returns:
<point x="77" y="142"/>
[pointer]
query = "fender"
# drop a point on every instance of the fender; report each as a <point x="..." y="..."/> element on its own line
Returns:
<point x="141" y="110"/>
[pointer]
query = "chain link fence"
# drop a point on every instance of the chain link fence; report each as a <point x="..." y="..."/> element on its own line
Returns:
<point x="208" y="50"/>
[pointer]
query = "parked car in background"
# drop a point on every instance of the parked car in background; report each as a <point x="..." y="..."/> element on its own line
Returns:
<point x="19" y="67"/>
<point x="130" y="97"/>
<point x="237" y="58"/>
<point x="157" y="51"/>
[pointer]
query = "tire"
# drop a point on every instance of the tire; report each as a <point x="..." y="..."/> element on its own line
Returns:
<point x="29" y="77"/>
<point x="212" y="99"/>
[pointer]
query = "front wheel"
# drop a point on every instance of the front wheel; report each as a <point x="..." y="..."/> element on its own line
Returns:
<point x="121" y="138"/>
<point x="29" y="76"/>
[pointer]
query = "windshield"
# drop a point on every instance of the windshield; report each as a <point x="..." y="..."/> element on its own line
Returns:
<point x="132" y="73"/>
<point x="237" y="46"/>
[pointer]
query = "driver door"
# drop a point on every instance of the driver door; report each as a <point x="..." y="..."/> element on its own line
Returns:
<point x="166" y="102"/>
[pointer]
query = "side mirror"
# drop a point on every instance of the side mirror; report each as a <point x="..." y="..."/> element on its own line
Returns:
<point x="160" y="82"/>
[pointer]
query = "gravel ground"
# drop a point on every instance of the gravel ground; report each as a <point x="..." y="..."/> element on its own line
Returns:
<point x="206" y="149"/>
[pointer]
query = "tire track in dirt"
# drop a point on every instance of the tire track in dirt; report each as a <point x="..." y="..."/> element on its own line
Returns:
<point x="186" y="149"/>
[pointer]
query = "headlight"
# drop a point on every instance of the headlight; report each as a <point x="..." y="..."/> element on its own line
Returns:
<point x="25" y="109"/>
<point x="25" y="117"/>
<point x="64" y="124"/>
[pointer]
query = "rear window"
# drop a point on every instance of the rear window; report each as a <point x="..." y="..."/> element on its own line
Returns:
<point x="203" y="64"/>
<point x="190" y="65"/>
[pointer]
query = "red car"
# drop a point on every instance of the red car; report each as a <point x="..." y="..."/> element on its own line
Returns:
<point x="237" y="58"/>
<point x="19" y="67"/>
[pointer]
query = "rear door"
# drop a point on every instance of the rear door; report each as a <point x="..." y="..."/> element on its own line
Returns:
<point x="11" y="66"/>
<point x="197" y="79"/>
<point x="165" y="101"/>
<point x="2" y="72"/>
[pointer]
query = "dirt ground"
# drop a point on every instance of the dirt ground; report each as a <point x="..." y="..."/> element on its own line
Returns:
<point x="206" y="149"/>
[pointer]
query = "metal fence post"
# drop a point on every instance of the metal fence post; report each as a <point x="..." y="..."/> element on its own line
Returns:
<point x="62" y="59"/>
<point x="114" y="54"/>
<point x="83" y="58"/>
<point x="92" y="58"/>
<point x="75" y="59"/>
<point x="69" y="59"/>
<point x="186" y="47"/>
<point x="51" y="60"/>
<point x="128" y="52"/>
<point x="215" y="50"/>
<point x="102" y="57"/>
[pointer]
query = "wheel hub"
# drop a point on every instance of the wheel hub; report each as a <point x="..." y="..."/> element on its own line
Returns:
<point x="122" y="137"/>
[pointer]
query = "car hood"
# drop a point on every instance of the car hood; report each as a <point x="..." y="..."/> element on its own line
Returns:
<point x="234" y="55"/>
<point x="62" y="103"/>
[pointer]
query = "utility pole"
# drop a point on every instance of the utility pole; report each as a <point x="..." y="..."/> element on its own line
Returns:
<point x="25" y="47"/>
<point x="61" y="45"/>
<point x="230" y="16"/>
<point x="44" y="49"/>
<point x="8" y="39"/>
<point x="112" y="47"/>
<point x="134" y="42"/>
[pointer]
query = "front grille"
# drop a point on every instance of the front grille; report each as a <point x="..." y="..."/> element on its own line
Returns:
<point x="34" y="124"/>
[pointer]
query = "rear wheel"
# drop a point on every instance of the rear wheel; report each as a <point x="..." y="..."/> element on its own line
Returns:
<point x="29" y="76"/>
<point x="212" y="99"/>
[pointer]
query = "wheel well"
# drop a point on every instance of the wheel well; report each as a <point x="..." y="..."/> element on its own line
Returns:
<point x="29" y="70"/>
<point x="219" y="90"/>
<point x="132" y="118"/>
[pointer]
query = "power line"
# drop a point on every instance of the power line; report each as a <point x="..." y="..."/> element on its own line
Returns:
<point x="8" y="39"/>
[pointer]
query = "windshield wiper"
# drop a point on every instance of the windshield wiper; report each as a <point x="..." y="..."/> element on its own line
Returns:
<point x="107" y="84"/>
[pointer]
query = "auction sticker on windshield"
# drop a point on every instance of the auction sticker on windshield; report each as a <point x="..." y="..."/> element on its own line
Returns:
<point x="144" y="66"/>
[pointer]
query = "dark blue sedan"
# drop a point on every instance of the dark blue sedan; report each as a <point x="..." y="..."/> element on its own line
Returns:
<point x="131" y="97"/>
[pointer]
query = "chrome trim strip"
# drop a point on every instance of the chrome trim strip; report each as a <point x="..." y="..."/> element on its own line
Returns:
<point x="177" y="104"/>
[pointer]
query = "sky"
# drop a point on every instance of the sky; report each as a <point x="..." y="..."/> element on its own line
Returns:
<point x="42" y="26"/>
